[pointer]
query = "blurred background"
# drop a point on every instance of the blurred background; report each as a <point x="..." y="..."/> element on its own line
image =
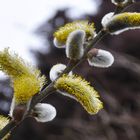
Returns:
<point x="27" y="27"/>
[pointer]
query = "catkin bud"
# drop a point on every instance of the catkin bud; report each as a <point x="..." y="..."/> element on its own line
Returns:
<point x="63" y="32"/>
<point x="100" y="58"/>
<point x="122" y="2"/>
<point x="44" y="112"/>
<point x="122" y="22"/>
<point x="58" y="44"/>
<point x="74" y="44"/>
<point x="56" y="70"/>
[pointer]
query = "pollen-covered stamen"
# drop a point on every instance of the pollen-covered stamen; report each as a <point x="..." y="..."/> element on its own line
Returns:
<point x="100" y="58"/>
<point x="26" y="79"/>
<point x="74" y="44"/>
<point x="12" y="64"/>
<point x="12" y="107"/>
<point x="56" y="70"/>
<point x="122" y="22"/>
<point x="62" y="33"/>
<point x="80" y="90"/>
<point x="44" y="112"/>
<point x="25" y="87"/>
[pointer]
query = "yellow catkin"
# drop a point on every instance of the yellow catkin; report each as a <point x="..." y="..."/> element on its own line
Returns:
<point x="26" y="79"/>
<point x="122" y="2"/>
<point x="25" y="87"/>
<point x="3" y="122"/>
<point x="124" y="20"/>
<point x="62" y="33"/>
<point x="82" y="91"/>
<point x="12" y="65"/>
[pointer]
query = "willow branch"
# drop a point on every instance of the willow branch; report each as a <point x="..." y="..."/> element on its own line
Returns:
<point x="50" y="88"/>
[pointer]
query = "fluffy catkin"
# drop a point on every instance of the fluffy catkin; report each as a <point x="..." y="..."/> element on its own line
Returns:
<point x="25" y="87"/>
<point x="122" y="22"/>
<point x="81" y="90"/>
<point x="12" y="65"/>
<point x="74" y="44"/>
<point x="44" y="112"/>
<point x="26" y="79"/>
<point x="122" y="2"/>
<point x="100" y="58"/>
<point x="62" y="33"/>
<point x="56" y="70"/>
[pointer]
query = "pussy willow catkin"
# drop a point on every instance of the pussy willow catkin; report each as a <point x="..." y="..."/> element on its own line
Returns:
<point x="62" y="33"/>
<point x="122" y="22"/>
<point x="26" y="79"/>
<point x="81" y="90"/>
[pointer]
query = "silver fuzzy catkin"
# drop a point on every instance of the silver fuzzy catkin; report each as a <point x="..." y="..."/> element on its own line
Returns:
<point x="56" y="70"/>
<point x="44" y="112"/>
<point x="74" y="44"/>
<point x="100" y="58"/>
<point x="121" y="22"/>
<point x="122" y="2"/>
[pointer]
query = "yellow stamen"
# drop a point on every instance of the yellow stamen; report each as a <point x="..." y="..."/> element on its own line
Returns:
<point x="81" y="90"/>
<point x="62" y="33"/>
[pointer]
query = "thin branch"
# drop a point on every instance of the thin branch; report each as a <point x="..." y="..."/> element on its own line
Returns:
<point x="128" y="62"/>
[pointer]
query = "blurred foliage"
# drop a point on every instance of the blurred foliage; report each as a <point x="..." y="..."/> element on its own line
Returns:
<point x="118" y="86"/>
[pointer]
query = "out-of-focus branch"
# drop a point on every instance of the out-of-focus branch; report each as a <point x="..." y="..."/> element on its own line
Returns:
<point x="128" y="62"/>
